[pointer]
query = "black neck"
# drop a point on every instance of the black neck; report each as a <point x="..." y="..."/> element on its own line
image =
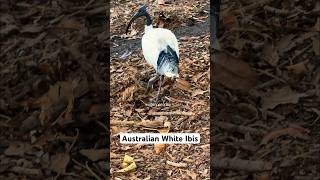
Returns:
<point x="148" y="20"/>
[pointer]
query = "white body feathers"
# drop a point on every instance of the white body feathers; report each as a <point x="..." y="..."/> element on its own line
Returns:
<point x="154" y="41"/>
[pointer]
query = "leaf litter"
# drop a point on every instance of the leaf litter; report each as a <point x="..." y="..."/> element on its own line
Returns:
<point x="53" y="95"/>
<point x="184" y="103"/>
<point x="266" y="92"/>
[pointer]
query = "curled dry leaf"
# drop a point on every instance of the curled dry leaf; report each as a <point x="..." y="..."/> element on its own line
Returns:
<point x="232" y="72"/>
<point x="291" y="131"/>
<point x="131" y="167"/>
<point x="197" y="92"/>
<point x="161" y="147"/>
<point x="127" y="94"/>
<point x="158" y="148"/>
<point x="284" y="95"/>
<point x="128" y="159"/>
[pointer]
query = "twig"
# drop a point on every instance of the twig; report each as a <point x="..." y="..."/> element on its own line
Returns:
<point x="179" y="165"/>
<point x="74" y="141"/>
<point x="118" y="122"/>
<point x="240" y="164"/>
<point x="239" y="128"/>
<point x="87" y="168"/>
<point x="5" y="117"/>
<point x="177" y="113"/>
<point x="102" y="125"/>
<point x="92" y="173"/>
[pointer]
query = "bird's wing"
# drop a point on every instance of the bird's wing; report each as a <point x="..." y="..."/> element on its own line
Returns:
<point x="167" y="56"/>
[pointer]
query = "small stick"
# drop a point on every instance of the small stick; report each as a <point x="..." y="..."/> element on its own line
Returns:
<point x="118" y="122"/>
<point x="92" y="173"/>
<point x="172" y="113"/>
<point x="179" y="165"/>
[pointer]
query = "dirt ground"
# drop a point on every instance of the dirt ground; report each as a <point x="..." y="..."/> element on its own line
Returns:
<point x="188" y="100"/>
<point x="266" y="91"/>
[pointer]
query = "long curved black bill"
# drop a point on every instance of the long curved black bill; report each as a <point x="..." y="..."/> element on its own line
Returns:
<point x="130" y="22"/>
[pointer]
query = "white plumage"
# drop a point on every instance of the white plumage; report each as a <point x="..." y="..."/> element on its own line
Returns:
<point x="160" y="49"/>
<point x="156" y="40"/>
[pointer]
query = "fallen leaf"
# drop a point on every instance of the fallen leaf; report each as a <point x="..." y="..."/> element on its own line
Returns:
<point x="17" y="149"/>
<point x="59" y="162"/>
<point x="183" y="85"/>
<point x="127" y="94"/>
<point x="276" y="97"/>
<point x="128" y="159"/>
<point x="117" y="130"/>
<point x="232" y="72"/>
<point x="131" y="167"/>
<point x="94" y="154"/>
<point x="197" y="92"/>
<point x="290" y="131"/>
<point x="299" y="68"/>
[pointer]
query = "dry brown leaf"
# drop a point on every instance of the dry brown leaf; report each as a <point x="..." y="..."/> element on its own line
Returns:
<point x="59" y="162"/>
<point x="127" y="94"/>
<point x="284" y="95"/>
<point x="94" y="154"/>
<point x="291" y="131"/>
<point x="232" y="72"/>
<point x="183" y="85"/>
<point x="158" y="148"/>
<point x="197" y="92"/>
<point x="161" y="147"/>
<point x="299" y="68"/>
<point x="17" y="149"/>
<point x="117" y="130"/>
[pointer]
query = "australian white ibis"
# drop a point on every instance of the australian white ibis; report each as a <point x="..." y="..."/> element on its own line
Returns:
<point x="160" y="49"/>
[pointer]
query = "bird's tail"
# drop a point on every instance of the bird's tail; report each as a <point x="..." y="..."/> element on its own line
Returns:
<point x="168" y="63"/>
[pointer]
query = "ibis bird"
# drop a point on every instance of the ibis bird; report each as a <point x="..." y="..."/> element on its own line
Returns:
<point x="159" y="48"/>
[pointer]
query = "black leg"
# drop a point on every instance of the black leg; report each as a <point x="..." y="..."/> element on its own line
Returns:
<point x="151" y="82"/>
<point x="159" y="90"/>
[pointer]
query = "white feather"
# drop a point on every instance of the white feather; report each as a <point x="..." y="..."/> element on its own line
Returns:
<point x="154" y="41"/>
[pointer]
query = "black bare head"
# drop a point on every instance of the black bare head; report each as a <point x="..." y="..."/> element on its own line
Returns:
<point x="141" y="12"/>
